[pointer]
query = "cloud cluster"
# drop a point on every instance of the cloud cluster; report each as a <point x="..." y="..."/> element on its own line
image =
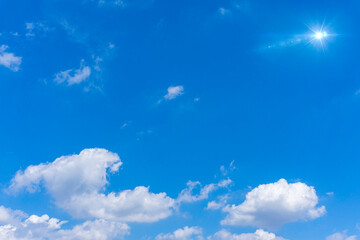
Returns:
<point x="15" y="225"/>
<point x="272" y="205"/>
<point x="74" y="76"/>
<point x="9" y="60"/>
<point x="77" y="182"/>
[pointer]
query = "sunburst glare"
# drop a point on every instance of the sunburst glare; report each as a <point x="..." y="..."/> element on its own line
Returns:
<point x="319" y="36"/>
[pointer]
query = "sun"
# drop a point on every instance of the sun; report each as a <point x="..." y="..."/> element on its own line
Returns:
<point x="321" y="35"/>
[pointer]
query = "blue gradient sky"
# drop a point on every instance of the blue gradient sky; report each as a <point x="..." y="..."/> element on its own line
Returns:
<point x="288" y="111"/>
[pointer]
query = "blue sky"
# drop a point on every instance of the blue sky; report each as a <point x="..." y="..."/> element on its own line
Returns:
<point x="150" y="119"/>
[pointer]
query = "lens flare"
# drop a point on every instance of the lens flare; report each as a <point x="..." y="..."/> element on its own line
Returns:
<point x="321" y="35"/>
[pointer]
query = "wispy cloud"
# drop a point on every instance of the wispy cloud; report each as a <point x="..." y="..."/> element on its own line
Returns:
<point x="341" y="236"/>
<point x="74" y="76"/>
<point x="9" y="60"/>
<point x="33" y="28"/>
<point x="187" y="194"/>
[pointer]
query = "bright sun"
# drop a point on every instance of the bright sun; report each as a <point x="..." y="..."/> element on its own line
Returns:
<point x="321" y="35"/>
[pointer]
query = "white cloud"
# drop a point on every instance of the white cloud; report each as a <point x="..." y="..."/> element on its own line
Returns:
<point x="138" y="205"/>
<point x="258" y="235"/>
<point x="215" y="205"/>
<point x="174" y="92"/>
<point x="272" y="205"/>
<point x="9" y="60"/>
<point x="186" y="233"/>
<point x="95" y="230"/>
<point x="341" y="236"/>
<point x="43" y="227"/>
<point x="187" y="195"/>
<point x="77" y="182"/>
<point x="8" y="216"/>
<point x="74" y="76"/>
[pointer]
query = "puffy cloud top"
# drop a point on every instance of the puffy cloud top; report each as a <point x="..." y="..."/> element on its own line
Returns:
<point x="272" y="205"/>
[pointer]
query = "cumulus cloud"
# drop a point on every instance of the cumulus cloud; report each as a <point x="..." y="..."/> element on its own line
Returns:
<point x="43" y="227"/>
<point x="74" y="76"/>
<point x="341" y="236"/>
<point x="187" y="194"/>
<point x="272" y="205"/>
<point x="258" y="235"/>
<point x="174" y="92"/>
<point x="186" y="233"/>
<point x="77" y="182"/>
<point x="9" y="60"/>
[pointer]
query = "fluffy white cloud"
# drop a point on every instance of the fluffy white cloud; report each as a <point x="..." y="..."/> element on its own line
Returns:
<point x="9" y="60"/>
<point x="74" y="76"/>
<point x="186" y="233"/>
<point x="258" y="235"/>
<point x="138" y="205"/>
<point x="341" y="236"/>
<point x="272" y="205"/>
<point x="187" y="195"/>
<point x="76" y="183"/>
<point x="174" y="92"/>
<point x="43" y="227"/>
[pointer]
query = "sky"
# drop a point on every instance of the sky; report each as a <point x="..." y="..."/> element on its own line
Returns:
<point x="179" y="120"/>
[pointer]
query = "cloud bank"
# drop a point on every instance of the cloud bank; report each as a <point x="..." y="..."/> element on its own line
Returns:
<point x="15" y="225"/>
